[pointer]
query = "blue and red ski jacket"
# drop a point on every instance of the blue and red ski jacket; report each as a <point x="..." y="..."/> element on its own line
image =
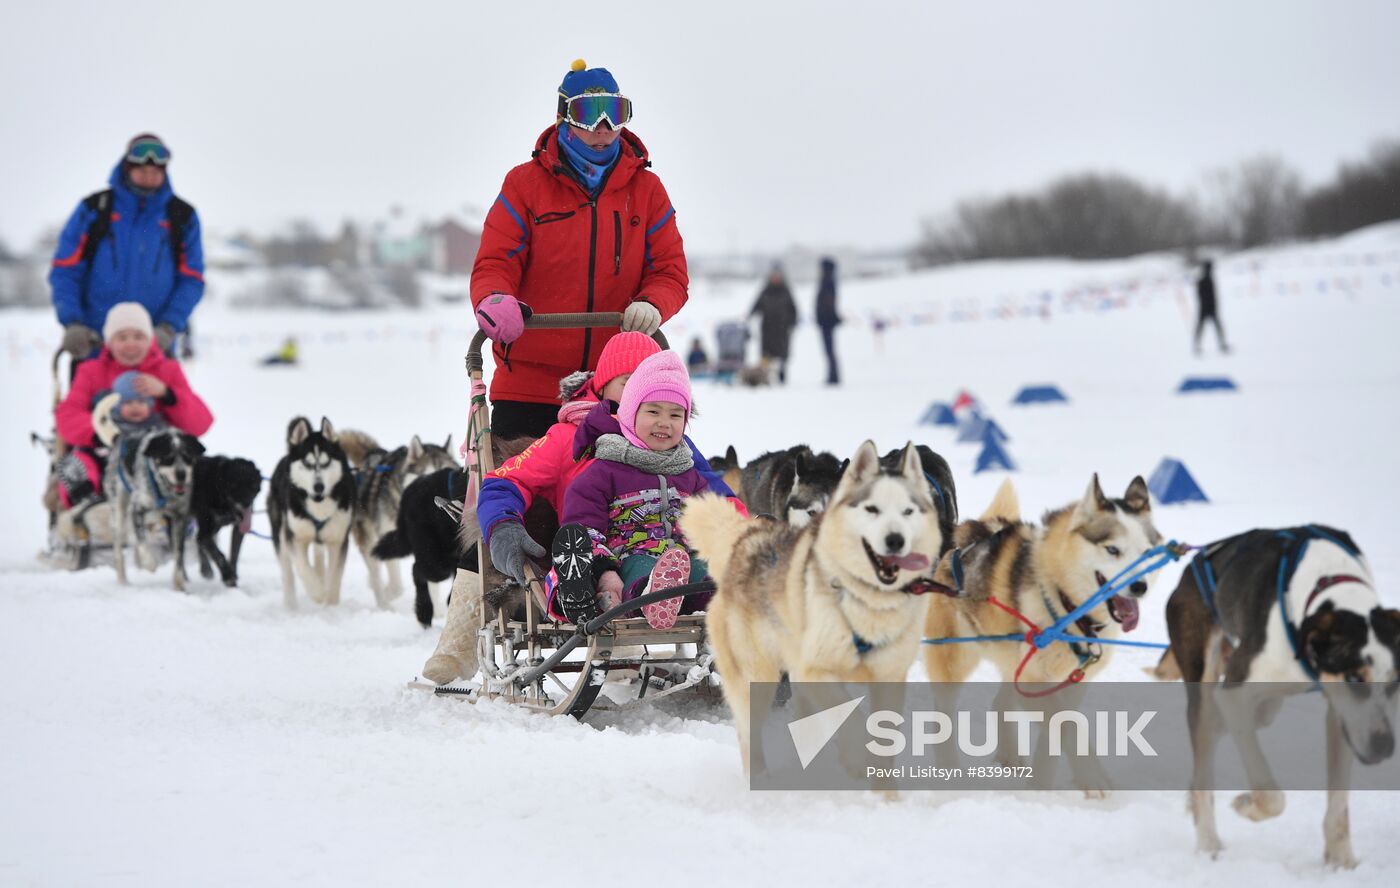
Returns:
<point x="133" y="263"/>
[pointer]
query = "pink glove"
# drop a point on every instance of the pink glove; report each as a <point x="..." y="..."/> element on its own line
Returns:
<point x="502" y="317"/>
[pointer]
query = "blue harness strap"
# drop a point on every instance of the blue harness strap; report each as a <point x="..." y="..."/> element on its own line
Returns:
<point x="863" y="647"/>
<point x="938" y="489"/>
<point x="1204" y="575"/>
<point x="955" y="565"/>
<point x="1285" y="573"/>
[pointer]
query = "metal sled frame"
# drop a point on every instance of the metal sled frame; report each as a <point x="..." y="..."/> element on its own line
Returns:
<point x="560" y="668"/>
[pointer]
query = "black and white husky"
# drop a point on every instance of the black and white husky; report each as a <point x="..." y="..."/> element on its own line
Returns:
<point x="1272" y="612"/>
<point x="149" y="481"/>
<point x="311" y="502"/>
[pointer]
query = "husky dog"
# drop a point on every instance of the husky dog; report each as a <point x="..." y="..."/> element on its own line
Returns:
<point x="792" y="485"/>
<point x="311" y="500"/>
<point x="1225" y="621"/>
<point x="224" y="490"/>
<point x="836" y="600"/>
<point x="148" y="480"/>
<point x="1044" y="573"/>
<point x="729" y="469"/>
<point x="382" y="476"/>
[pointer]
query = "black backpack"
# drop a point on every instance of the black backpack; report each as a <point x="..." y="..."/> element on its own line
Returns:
<point x="176" y="211"/>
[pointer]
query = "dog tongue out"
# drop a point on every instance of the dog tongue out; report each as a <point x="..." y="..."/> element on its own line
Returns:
<point x="1126" y="609"/>
<point x="245" y="523"/>
<point x="912" y="561"/>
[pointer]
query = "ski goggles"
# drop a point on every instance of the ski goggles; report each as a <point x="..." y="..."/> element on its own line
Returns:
<point x="591" y="109"/>
<point x="148" y="151"/>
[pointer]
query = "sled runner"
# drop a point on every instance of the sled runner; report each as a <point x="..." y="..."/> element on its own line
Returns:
<point x="531" y="658"/>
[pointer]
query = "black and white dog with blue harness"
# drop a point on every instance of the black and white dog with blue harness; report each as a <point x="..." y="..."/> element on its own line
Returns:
<point x="149" y="481"/>
<point x="1284" y="611"/>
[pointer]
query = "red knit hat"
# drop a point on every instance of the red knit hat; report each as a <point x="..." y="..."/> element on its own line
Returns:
<point x="623" y="353"/>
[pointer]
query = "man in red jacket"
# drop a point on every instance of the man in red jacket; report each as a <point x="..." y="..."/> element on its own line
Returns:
<point x="584" y="226"/>
<point x="130" y="346"/>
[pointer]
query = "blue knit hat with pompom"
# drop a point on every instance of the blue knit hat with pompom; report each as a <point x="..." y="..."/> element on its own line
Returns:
<point x="583" y="79"/>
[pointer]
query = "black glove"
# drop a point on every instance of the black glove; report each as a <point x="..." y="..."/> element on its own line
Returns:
<point x="165" y="335"/>
<point x="509" y="546"/>
<point x="79" y="340"/>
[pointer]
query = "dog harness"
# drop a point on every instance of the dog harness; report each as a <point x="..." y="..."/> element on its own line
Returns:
<point x="161" y="498"/>
<point x="1296" y="543"/>
<point x="1088" y="654"/>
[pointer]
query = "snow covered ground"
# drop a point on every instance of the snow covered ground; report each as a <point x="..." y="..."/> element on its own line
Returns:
<point x="148" y="737"/>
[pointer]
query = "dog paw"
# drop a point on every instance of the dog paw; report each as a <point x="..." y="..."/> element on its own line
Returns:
<point x="1261" y="804"/>
<point x="1210" y="846"/>
<point x="206" y="571"/>
<point x="1340" y="857"/>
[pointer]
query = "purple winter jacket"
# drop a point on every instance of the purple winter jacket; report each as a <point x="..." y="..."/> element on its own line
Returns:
<point x="622" y="506"/>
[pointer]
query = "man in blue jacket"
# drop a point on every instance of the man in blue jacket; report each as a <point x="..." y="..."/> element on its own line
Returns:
<point x="135" y="242"/>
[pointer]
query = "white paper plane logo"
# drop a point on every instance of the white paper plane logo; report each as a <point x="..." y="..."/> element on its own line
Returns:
<point x="812" y="733"/>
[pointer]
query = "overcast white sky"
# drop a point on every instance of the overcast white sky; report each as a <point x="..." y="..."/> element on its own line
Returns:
<point x="771" y="123"/>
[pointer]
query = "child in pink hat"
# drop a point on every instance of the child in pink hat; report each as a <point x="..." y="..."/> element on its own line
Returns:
<point x="620" y="514"/>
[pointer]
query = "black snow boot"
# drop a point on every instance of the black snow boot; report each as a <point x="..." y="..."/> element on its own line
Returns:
<point x="575" y="595"/>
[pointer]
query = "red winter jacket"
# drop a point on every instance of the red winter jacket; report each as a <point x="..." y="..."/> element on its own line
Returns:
<point x="550" y="246"/>
<point x="73" y="417"/>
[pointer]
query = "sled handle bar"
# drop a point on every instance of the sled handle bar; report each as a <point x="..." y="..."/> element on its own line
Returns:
<point x="593" y="626"/>
<point x="559" y="321"/>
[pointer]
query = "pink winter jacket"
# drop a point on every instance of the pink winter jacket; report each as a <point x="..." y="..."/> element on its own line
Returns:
<point x="73" y="417"/>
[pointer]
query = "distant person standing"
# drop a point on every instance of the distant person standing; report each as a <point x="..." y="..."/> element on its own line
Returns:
<point x="134" y="242"/>
<point x="777" y="315"/>
<point x="828" y="319"/>
<point x="697" y="362"/>
<point x="1208" y="309"/>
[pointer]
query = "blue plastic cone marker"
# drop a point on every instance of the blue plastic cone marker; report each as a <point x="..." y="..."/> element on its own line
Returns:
<point x="971" y="428"/>
<point x="938" y="413"/>
<point x="992" y="431"/>
<point x="993" y="458"/>
<point x="1040" y="394"/>
<point x="1172" y="483"/>
<point x="1206" y="384"/>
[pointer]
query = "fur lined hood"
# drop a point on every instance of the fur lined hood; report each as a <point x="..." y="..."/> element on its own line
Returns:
<point x="572" y="386"/>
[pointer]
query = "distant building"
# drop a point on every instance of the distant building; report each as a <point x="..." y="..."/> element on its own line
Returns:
<point x="453" y="248"/>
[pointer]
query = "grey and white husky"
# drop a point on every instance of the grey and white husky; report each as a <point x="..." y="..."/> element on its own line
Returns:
<point x="311" y="502"/>
<point x="381" y="478"/>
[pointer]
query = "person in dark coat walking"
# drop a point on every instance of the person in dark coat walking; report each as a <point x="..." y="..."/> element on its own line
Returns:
<point x="777" y="313"/>
<point x="828" y="319"/>
<point x="1207" y="309"/>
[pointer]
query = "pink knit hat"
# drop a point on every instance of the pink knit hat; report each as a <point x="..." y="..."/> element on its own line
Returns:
<point x="661" y="377"/>
<point x="621" y="355"/>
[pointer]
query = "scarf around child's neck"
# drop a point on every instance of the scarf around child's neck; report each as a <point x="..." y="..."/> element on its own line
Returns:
<point x="615" y="448"/>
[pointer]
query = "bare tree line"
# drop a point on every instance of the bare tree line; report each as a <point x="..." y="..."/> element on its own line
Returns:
<point x="1259" y="201"/>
